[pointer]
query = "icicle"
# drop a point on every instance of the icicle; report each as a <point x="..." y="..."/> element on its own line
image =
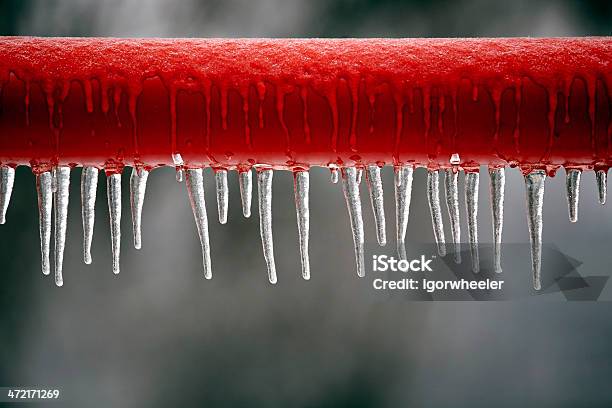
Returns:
<point x="433" y="196"/>
<point x="113" y="186"/>
<point x="403" y="195"/>
<point x="471" y="205"/>
<point x="376" y="198"/>
<point x="138" y="187"/>
<point x="89" y="185"/>
<point x="177" y="159"/>
<point x="7" y="179"/>
<point x="350" y="186"/>
<point x="195" y="189"/>
<point x="45" y="204"/>
<point x="602" y="185"/>
<point x="452" y="204"/>
<point x="359" y="175"/>
<point x="53" y="180"/>
<point x="222" y="194"/>
<point x="572" y="186"/>
<point x="301" y="185"/>
<point x="534" y="185"/>
<point x="60" y="203"/>
<point x="335" y="174"/>
<point x="496" y="192"/>
<point x="246" y="191"/>
<point x="264" y="190"/>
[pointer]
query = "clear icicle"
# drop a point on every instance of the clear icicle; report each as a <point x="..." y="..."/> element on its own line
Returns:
<point x="602" y="185"/>
<point x="89" y="186"/>
<point x="245" y="179"/>
<point x="334" y="175"/>
<point x="301" y="186"/>
<point x="138" y="188"/>
<point x="264" y="190"/>
<point x="471" y="205"/>
<point x="222" y="194"/>
<point x="178" y="161"/>
<point x="403" y="195"/>
<point x="496" y="192"/>
<point x="60" y="203"/>
<point x="113" y="185"/>
<point x="572" y="186"/>
<point x="376" y="198"/>
<point x="45" y="205"/>
<point x="195" y="189"/>
<point x="180" y="174"/>
<point x="433" y="197"/>
<point x="350" y="186"/>
<point x="534" y="187"/>
<point x="359" y="175"/>
<point x="7" y="179"/>
<point x="451" y="188"/>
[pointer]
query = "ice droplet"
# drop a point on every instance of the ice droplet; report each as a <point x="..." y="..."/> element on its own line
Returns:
<point x="534" y="187"/>
<point x="138" y="188"/>
<point x="245" y="178"/>
<point x="433" y="197"/>
<point x="89" y="186"/>
<point x="45" y="205"/>
<point x="572" y="187"/>
<point x="222" y="194"/>
<point x="60" y="203"/>
<point x="350" y="185"/>
<point x="113" y="185"/>
<point x="403" y="196"/>
<point x="496" y="192"/>
<point x="195" y="189"/>
<point x="375" y="187"/>
<point x="7" y="179"/>
<point x="264" y="190"/>
<point x="471" y="205"/>
<point x="301" y="186"/>
<point x="452" y="204"/>
<point x="602" y="185"/>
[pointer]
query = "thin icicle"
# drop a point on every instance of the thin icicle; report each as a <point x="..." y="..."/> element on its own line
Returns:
<point x="301" y="186"/>
<point x="534" y="187"/>
<point x="113" y="185"/>
<point x="433" y="197"/>
<point x="264" y="190"/>
<point x="350" y="186"/>
<point x="376" y="199"/>
<point x="602" y="185"/>
<point x="45" y="205"/>
<point x="7" y="179"/>
<point x="359" y="175"/>
<point x="138" y="188"/>
<point x="471" y="206"/>
<point x="222" y="194"/>
<point x="334" y="175"/>
<point x="496" y="192"/>
<point x="245" y="179"/>
<point x="195" y="189"/>
<point x="60" y="203"/>
<point x="89" y="186"/>
<point x="178" y="161"/>
<point x="403" y="195"/>
<point x="451" y="188"/>
<point x="572" y="186"/>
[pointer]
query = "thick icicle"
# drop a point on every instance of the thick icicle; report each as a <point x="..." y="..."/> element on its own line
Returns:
<point x="7" y="179"/>
<point x="89" y="186"/>
<point x="433" y="196"/>
<point x="264" y="190"/>
<point x="376" y="198"/>
<point x="403" y="195"/>
<point x="60" y="203"/>
<point x="301" y="186"/>
<point x="350" y="186"/>
<point x="195" y="189"/>
<point x="113" y="186"/>
<point x="572" y="186"/>
<point x="45" y="205"/>
<point x="534" y="187"/>
<point x="451" y="188"/>
<point x="496" y="192"/>
<point x="602" y="185"/>
<point x="471" y="206"/>
<point x="222" y="194"/>
<point x="138" y="188"/>
<point x="245" y="179"/>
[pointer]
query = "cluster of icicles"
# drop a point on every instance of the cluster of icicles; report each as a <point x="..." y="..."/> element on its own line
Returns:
<point x="53" y="187"/>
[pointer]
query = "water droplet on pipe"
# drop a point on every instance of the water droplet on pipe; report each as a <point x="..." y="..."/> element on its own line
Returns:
<point x="403" y="196"/>
<point x="222" y="194"/>
<point x="60" y="203"/>
<point x="376" y="199"/>
<point x="195" y="189"/>
<point x="350" y="185"/>
<point x="89" y="186"/>
<point x="451" y="189"/>
<point x="471" y="205"/>
<point x="602" y="185"/>
<point x="301" y="186"/>
<point x="7" y="179"/>
<point x="45" y="205"/>
<point x="245" y="178"/>
<point x="264" y="190"/>
<point x="572" y="187"/>
<point x="534" y="188"/>
<point x="433" y="197"/>
<point x="138" y="188"/>
<point x="113" y="185"/>
<point x="496" y="192"/>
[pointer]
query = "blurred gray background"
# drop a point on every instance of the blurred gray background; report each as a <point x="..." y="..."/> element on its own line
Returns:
<point x="160" y="335"/>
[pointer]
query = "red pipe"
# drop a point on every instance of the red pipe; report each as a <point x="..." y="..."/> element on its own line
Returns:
<point x="537" y="103"/>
